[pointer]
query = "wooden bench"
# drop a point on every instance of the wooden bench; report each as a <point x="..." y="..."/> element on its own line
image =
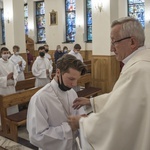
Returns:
<point x="88" y="65"/>
<point x="25" y="84"/>
<point x="88" y="91"/>
<point x="28" y="75"/>
<point x="10" y="123"/>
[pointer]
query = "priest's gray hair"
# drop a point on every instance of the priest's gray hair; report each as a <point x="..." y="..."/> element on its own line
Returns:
<point x="131" y="27"/>
<point x="68" y="61"/>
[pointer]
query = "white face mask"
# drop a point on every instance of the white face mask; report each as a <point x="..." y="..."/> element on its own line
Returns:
<point x="5" y="56"/>
<point x="76" y="52"/>
<point x="17" y="53"/>
<point x="65" y="50"/>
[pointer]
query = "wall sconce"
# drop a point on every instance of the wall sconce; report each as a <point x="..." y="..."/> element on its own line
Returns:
<point x="98" y="5"/>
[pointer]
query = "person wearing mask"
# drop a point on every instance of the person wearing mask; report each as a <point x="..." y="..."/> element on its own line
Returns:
<point x="65" y="49"/>
<point x="47" y="55"/>
<point x="50" y="107"/>
<point x="42" y="69"/>
<point x="58" y="53"/>
<point x="19" y="62"/>
<point x="8" y="78"/>
<point x="76" y="52"/>
<point x="121" y="118"/>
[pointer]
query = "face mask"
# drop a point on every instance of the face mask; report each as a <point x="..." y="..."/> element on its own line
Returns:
<point x="76" y="52"/>
<point x="65" y="51"/>
<point x="46" y="50"/>
<point x="62" y="86"/>
<point x="17" y="53"/>
<point x="42" y="54"/>
<point x="5" y="56"/>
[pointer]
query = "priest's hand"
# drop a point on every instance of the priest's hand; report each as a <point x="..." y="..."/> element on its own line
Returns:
<point x="80" y="101"/>
<point x="74" y="122"/>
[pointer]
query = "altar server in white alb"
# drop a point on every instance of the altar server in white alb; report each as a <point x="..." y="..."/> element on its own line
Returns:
<point x="8" y="77"/>
<point x="50" y="107"/>
<point x="47" y="55"/>
<point x="122" y="117"/>
<point x="42" y="68"/>
<point x="76" y="52"/>
<point x="19" y="62"/>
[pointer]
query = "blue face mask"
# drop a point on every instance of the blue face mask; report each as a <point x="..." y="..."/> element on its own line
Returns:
<point x="62" y="86"/>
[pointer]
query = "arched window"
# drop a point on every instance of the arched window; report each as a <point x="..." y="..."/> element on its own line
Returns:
<point x="136" y="9"/>
<point x="40" y="21"/>
<point x="89" y="20"/>
<point x="3" y="26"/>
<point x="70" y="11"/>
<point x="26" y="18"/>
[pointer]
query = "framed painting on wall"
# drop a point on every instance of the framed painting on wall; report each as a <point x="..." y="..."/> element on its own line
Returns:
<point x="53" y="18"/>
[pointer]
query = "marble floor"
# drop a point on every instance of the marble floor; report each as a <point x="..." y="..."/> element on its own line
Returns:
<point x="23" y="142"/>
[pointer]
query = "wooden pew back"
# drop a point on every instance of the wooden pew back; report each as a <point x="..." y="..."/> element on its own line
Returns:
<point x="10" y="123"/>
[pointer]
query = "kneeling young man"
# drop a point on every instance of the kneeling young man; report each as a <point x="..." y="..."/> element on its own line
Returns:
<point x="50" y="107"/>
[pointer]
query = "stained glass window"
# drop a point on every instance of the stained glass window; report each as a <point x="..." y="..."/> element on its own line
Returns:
<point x="26" y="18"/>
<point x="89" y="20"/>
<point x="136" y="9"/>
<point x="3" y="26"/>
<point x="40" y="22"/>
<point x="70" y="10"/>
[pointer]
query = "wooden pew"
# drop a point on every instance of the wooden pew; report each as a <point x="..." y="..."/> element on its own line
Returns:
<point x="88" y="91"/>
<point x="28" y="75"/>
<point x="88" y="65"/>
<point x="25" y="84"/>
<point x="10" y="123"/>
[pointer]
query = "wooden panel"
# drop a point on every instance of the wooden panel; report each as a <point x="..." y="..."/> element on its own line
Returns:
<point x="105" y="72"/>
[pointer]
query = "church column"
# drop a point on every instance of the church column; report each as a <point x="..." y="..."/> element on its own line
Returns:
<point x="14" y="24"/>
<point x="105" y="68"/>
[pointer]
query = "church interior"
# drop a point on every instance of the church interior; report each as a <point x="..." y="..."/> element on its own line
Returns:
<point x="34" y="23"/>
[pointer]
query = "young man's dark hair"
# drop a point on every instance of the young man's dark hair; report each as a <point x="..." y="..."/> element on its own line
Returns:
<point x="77" y="46"/>
<point x="68" y="61"/>
<point x="41" y="48"/>
<point x="4" y="49"/>
<point x="16" y="47"/>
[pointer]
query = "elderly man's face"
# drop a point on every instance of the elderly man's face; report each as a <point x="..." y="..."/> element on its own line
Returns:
<point x="121" y="46"/>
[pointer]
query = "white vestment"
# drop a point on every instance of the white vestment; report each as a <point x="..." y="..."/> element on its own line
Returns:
<point x="8" y="86"/>
<point x="47" y="118"/>
<point x="39" y="68"/>
<point x="78" y="55"/>
<point x="49" y="58"/>
<point x="122" y="117"/>
<point x="15" y="59"/>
